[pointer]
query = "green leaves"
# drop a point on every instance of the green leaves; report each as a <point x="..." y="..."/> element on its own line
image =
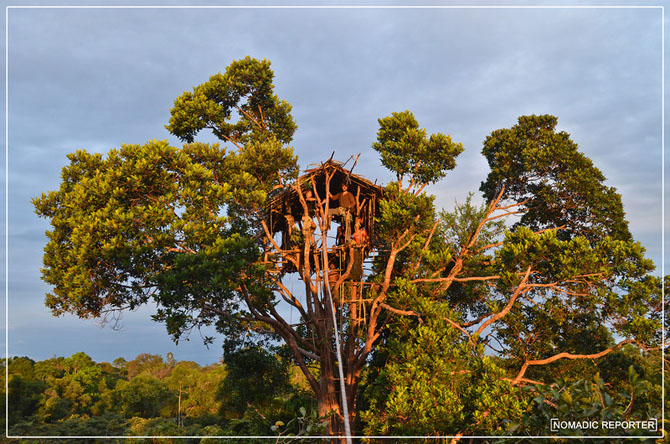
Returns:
<point x="175" y="226"/>
<point x="586" y="270"/>
<point x="147" y="222"/>
<point x="401" y="212"/>
<point x="438" y="384"/>
<point x="406" y="150"/>
<point x="239" y="106"/>
<point x="266" y="165"/>
<point x="119" y="221"/>
<point x="578" y="276"/>
<point x="556" y="184"/>
<point x="183" y="227"/>
<point x="574" y="289"/>
<point x="589" y="402"/>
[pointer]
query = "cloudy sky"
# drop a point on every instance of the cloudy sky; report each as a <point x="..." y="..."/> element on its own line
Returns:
<point x="83" y="78"/>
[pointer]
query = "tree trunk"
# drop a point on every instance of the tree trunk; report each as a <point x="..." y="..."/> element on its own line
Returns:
<point x="329" y="397"/>
<point x="329" y="405"/>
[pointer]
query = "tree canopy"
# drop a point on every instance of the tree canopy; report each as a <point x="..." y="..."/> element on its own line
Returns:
<point x="554" y="183"/>
<point x="245" y="89"/>
<point x="406" y="150"/>
<point x="489" y="298"/>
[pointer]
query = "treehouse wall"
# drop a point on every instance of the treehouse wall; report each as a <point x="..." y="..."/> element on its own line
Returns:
<point x="285" y="207"/>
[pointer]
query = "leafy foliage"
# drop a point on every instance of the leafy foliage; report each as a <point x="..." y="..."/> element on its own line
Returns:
<point x="119" y="222"/>
<point x="558" y="185"/>
<point x="539" y="296"/>
<point x="253" y="376"/>
<point x="438" y="384"/>
<point x="54" y="398"/>
<point x="457" y="313"/>
<point x="406" y="150"/>
<point x="246" y="87"/>
<point x="589" y="403"/>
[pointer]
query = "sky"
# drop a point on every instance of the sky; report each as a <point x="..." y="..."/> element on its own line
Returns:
<point x="93" y="79"/>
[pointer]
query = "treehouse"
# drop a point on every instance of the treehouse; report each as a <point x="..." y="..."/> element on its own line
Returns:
<point x="327" y="200"/>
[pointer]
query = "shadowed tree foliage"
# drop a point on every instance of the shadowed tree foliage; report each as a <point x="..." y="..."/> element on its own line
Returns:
<point x="556" y="185"/>
<point x="254" y="376"/>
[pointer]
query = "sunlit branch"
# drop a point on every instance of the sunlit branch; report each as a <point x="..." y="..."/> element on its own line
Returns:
<point x="459" y="327"/>
<point x="402" y="312"/>
<point x="228" y="139"/>
<point x="475" y="321"/>
<point x="274" y="243"/>
<point x="509" y="305"/>
<point x="249" y="116"/>
<point x="465" y="250"/>
<point x="455" y="279"/>
<point x="525" y="381"/>
<point x="566" y="355"/>
<point x="508" y="213"/>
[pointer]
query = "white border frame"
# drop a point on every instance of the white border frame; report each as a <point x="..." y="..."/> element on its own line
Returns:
<point x="7" y="8"/>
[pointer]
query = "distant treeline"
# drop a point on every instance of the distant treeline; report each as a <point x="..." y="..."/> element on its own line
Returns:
<point x="253" y="394"/>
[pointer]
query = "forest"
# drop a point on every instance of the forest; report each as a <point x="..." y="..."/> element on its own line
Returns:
<point x="348" y="308"/>
<point x="255" y="393"/>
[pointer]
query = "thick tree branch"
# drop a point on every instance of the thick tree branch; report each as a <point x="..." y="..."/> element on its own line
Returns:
<point x="566" y="355"/>
<point x="402" y="312"/>
<point x="274" y="244"/>
<point x="525" y="381"/>
<point x="455" y="279"/>
<point x="285" y="327"/>
<point x="289" y="338"/>
<point x="476" y="321"/>
<point x="509" y="305"/>
<point x="465" y="250"/>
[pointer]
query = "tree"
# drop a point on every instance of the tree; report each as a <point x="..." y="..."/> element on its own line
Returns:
<point x="187" y="228"/>
<point x="24" y="392"/>
<point x="254" y="376"/>
<point x="407" y="151"/>
<point x="146" y="363"/>
<point x="144" y="396"/>
<point x="193" y="388"/>
<point x="554" y="289"/>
